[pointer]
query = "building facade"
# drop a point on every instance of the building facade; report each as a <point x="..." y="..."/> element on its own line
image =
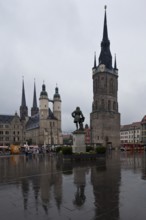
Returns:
<point x="10" y="129"/>
<point x="105" y="117"/>
<point x="131" y="133"/>
<point x="43" y="127"/>
<point x="143" y="130"/>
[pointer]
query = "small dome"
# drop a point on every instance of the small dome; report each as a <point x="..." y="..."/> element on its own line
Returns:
<point x="56" y="95"/>
<point x="43" y="92"/>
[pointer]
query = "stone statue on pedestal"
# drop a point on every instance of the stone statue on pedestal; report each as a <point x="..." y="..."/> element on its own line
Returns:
<point x="78" y="118"/>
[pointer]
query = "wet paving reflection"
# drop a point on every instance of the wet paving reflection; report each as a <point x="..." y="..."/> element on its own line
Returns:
<point x="46" y="187"/>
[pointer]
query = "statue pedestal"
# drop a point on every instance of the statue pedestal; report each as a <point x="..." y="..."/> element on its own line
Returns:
<point x="79" y="141"/>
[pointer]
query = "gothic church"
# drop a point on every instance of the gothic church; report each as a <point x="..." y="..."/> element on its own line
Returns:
<point x="43" y="127"/>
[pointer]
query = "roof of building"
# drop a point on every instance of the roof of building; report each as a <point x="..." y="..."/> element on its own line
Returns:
<point x="56" y="95"/>
<point x="33" y="121"/>
<point x="143" y="121"/>
<point x="51" y="115"/>
<point x="6" y="118"/>
<point x="134" y="125"/>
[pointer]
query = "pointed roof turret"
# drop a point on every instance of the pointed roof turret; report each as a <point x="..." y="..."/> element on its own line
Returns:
<point x="115" y="64"/>
<point x="105" y="54"/>
<point x="94" y="60"/>
<point x="23" y="107"/>
<point x="34" y="109"/>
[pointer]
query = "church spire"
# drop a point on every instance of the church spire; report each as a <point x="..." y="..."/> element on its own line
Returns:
<point x="23" y="107"/>
<point x="34" y="109"/>
<point x="23" y="100"/>
<point x="105" y="54"/>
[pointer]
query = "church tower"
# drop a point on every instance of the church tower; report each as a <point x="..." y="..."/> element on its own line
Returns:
<point x="34" y="109"/>
<point x="44" y="103"/>
<point x="23" y="107"/>
<point x="57" y="107"/>
<point x="105" y="118"/>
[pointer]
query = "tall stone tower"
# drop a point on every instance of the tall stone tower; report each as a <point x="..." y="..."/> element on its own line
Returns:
<point x="57" y="114"/>
<point x="105" y="118"/>
<point x="44" y="103"/>
<point x="57" y="107"/>
<point x="43" y="115"/>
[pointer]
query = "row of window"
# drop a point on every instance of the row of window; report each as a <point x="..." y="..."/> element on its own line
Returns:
<point x="129" y="132"/>
<point x="7" y="126"/>
<point x="7" y="132"/>
<point x="4" y="139"/>
<point x="4" y="126"/>
<point x="130" y="137"/>
<point x="7" y="139"/>
<point x="100" y="82"/>
<point x="102" y="105"/>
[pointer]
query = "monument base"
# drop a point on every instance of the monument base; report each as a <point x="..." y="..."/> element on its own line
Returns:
<point x="79" y="141"/>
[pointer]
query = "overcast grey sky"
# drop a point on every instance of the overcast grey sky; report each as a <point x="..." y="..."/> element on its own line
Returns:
<point x="55" y="40"/>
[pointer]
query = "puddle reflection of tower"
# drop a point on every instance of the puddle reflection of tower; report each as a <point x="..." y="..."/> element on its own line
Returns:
<point x="106" y="183"/>
<point x="50" y="184"/>
<point x="80" y="182"/>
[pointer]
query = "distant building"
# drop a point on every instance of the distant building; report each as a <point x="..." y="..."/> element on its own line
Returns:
<point x="143" y="130"/>
<point x="131" y="133"/>
<point x="43" y="127"/>
<point x="11" y="129"/>
<point x="105" y="117"/>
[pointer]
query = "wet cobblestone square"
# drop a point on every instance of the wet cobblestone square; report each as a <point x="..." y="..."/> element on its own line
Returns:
<point x="46" y="187"/>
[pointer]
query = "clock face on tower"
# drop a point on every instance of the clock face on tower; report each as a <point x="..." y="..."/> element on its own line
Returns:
<point x="102" y="67"/>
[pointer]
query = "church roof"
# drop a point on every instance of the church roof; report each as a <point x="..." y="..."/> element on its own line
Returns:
<point x="33" y="122"/>
<point x="51" y="115"/>
<point x="6" y="118"/>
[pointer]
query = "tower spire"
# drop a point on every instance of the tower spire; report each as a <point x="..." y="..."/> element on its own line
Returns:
<point x="34" y="109"/>
<point x="23" y="107"/>
<point x="105" y="31"/>
<point x="105" y="54"/>
<point x="23" y="100"/>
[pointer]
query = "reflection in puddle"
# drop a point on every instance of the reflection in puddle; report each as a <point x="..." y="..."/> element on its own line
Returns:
<point x="45" y="187"/>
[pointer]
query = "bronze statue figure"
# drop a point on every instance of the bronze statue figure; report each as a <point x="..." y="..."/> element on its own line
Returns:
<point x="78" y="118"/>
